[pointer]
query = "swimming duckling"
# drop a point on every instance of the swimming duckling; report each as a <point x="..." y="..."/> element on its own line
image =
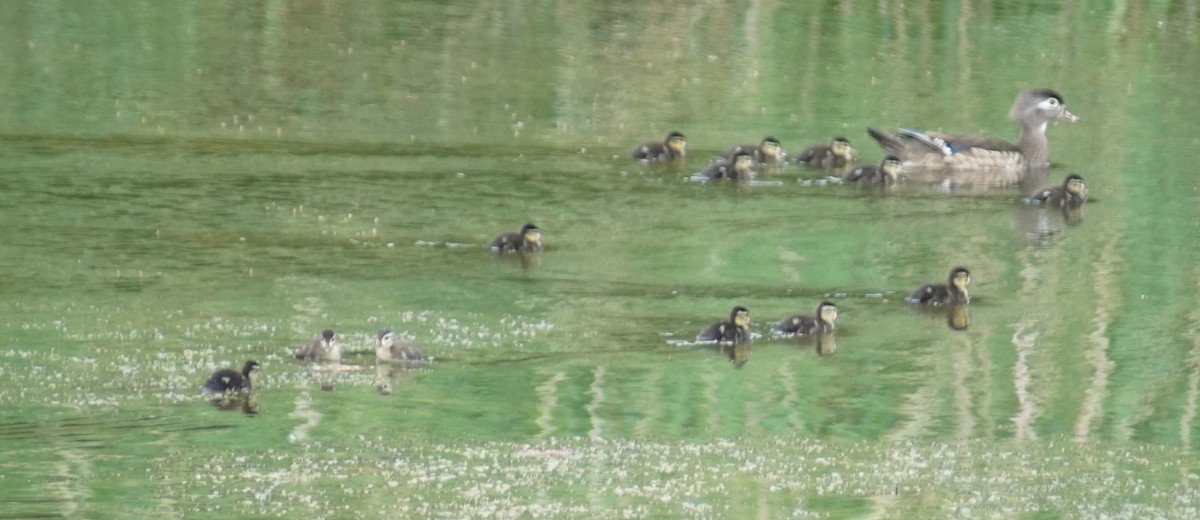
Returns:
<point x="1032" y="110"/>
<point x="388" y="348"/>
<point x="527" y="240"/>
<point x="673" y="147"/>
<point x="1072" y="193"/>
<point x="883" y="175"/>
<point x="822" y="321"/>
<point x="836" y="154"/>
<point x="320" y="348"/>
<point x="229" y="380"/>
<point x="953" y="293"/>
<point x="769" y="152"/>
<point x="741" y="168"/>
<point x="737" y="329"/>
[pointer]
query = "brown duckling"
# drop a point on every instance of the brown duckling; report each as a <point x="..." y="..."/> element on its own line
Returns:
<point x="1032" y="110"/>
<point x="836" y="154"/>
<point x="1072" y="194"/>
<point x="321" y="348"/>
<point x="737" y="329"/>
<point x="954" y="292"/>
<point x="527" y="240"/>
<point x="822" y="321"/>
<point x="883" y="175"/>
<point x="229" y="380"/>
<point x="672" y="148"/>
<point x="740" y="168"/>
<point x="388" y="348"/>
<point x="769" y="152"/>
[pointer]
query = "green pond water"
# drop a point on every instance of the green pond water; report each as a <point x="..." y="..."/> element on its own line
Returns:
<point x="188" y="185"/>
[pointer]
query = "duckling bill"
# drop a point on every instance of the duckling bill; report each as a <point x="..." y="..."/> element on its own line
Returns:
<point x="672" y="148"/>
<point x="527" y="240"/>
<point x="737" y="329"/>
<point x="820" y="322"/>
<point x="953" y="293"/>
<point x="228" y="380"/>
<point x="321" y="348"/>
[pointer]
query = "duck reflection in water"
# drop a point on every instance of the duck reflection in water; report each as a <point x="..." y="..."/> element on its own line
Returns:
<point x="826" y="343"/>
<point x="388" y="375"/>
<point x="737" y="352"/>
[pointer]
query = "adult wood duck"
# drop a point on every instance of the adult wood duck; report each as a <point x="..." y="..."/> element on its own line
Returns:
<point x="737" y="329"/>
<point x="836" y="154"/>
<point x="228" y="380"/>
<point x="741" y="167"/>
<point x="953" y="293"/>
<point x="672" y="148"/>
<point x="820" y="322"/>
<point x="1072" y="194"/>
<point x="883" y="175"/>
<point x="388" y="348"/>
<point x="321" y="348"/>
<point x="527" y="240"/>
<point x="769" y="152"/>
<point x="1032" y="110"/>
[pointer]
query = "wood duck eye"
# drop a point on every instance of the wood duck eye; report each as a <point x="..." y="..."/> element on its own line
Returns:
<point x="1053" y="102"/>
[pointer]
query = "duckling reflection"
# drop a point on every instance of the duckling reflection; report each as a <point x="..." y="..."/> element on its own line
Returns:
<point x="826" y="343"/>
<point x="323" y="347"/>
<point x="837" y="154"/>
<point x="957" y="317"/>
<point x="740" y="168"/>
<point x="388" y="375"/>
<point x="736" y="330"/>
<point x="672" y="148"/>
<point x="737" y="352"/>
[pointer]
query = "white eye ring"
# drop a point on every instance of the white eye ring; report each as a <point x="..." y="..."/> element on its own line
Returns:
<point x="1052" y="101"/>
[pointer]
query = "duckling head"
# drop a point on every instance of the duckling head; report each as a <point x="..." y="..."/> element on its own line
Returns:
<point x="771" y="147"/>
<point x="530" y="233"/>
<point x="960" y="278"/>
<point x="890" y="166"/>
<point x="742" y="164"/>
<point x="1074" y="185"/>
<point x="827" y="312"/>
<point x="250" y="370"/>
<point x="740" y="316"/>
<point x="840" y="147"/>
<point x="676" y="142"/>
<point x="327" y="337"/>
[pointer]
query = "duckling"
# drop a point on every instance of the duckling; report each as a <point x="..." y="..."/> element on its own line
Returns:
<point x="954" y="293"/>
<point x="388" y="348"/>
<point x="1032" y="110"/>
<point x="822" y="321"/>
<point x="527" y="240"/>
<point x="737" y="329"/>
<point x="883" y="175"/>
<point x="320" y="348"/>
<point x="1072" y="193"/>
<point x="836" y="154"/>
<point x="740" y="168"/>
<point x="672" y="148"/>
<point x="229" y="380"/>
<point x="769" y="152"/>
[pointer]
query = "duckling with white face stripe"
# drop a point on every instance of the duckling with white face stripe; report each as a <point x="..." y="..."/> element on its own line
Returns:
<point x="836" y="154"/>
<point x="769" y="152"/>
<point x="883" y="175"/>
<point x="672" y="148"/>
<point x="741" y="168"/>
<point x="1072" y="194"/>
<point x="321" y="348"/>
<point x="527" y="240"/>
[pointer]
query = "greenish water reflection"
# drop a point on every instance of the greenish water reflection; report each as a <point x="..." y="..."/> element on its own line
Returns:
<point x="190" y="185"/>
